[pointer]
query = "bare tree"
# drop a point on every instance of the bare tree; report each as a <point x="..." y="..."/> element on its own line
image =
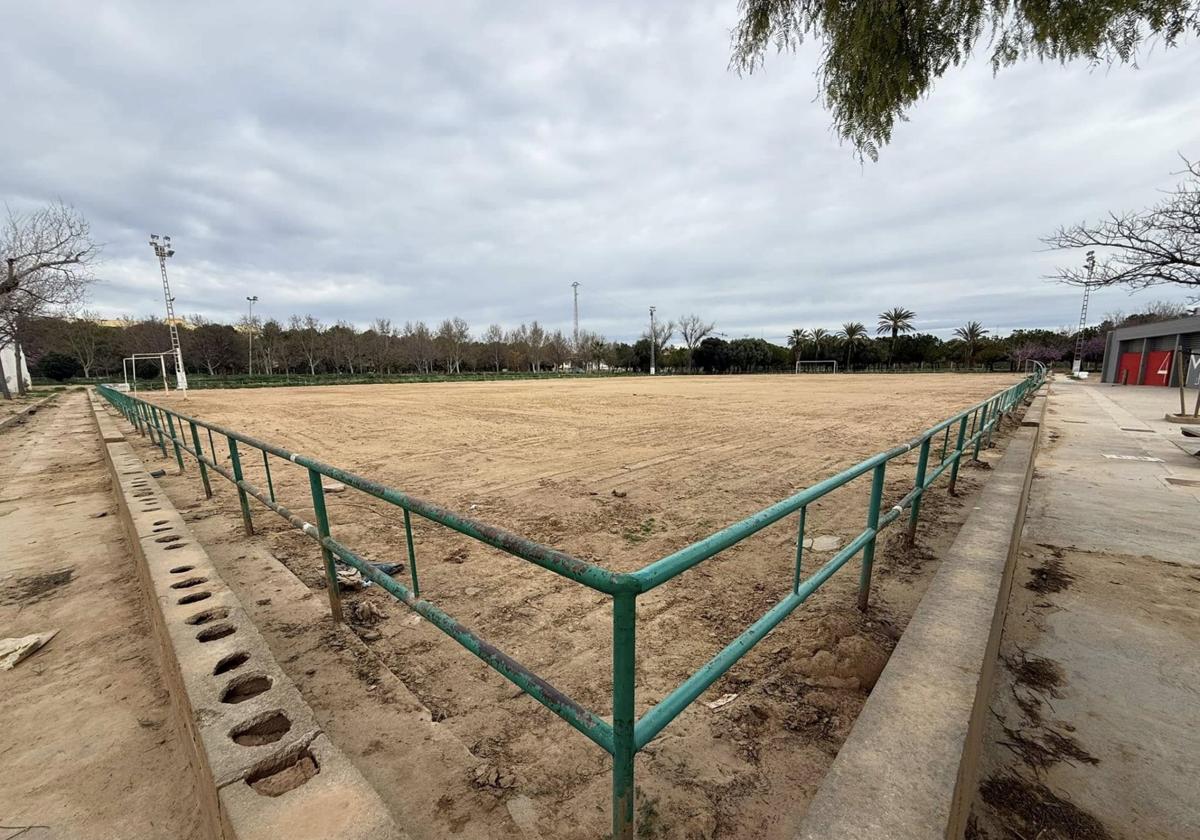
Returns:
<point x="493" y="338"/>
<point x="693" y="330"/>
<point x="83" y="337"/>
<point x="48" y="257"/>
<point x="1153" y="247"/>
<point x="452" y="337"/>
<point x="306" y="334"/>
<point x="536" y="338"/>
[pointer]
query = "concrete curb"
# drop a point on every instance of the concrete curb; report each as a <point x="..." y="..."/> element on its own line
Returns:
<point x="20" y="416"/>
<point x="910" y="766"/>
<point x="261" y="765"/>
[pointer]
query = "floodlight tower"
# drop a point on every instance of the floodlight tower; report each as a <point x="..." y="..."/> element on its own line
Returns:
<point x="1077" y="363"/>
<point x="575" y="287"/>
<point x="652" y="339"/>
<point x="251" y="300"/>
<point x="163" y="250"/>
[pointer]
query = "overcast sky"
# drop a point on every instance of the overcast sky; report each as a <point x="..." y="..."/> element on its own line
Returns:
<point x="474" y="159"/>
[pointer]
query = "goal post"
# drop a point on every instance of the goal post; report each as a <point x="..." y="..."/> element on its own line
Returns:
<point x="816" y="366"/>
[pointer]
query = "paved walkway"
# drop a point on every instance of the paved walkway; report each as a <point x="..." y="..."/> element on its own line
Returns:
<point x="1097" y="716"/>
<point x="87" y="746"/>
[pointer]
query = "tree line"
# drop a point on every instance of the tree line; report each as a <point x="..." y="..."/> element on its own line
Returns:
<point x="62" y="348"/>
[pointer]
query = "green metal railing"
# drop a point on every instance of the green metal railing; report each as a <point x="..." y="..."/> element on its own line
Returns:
<point x="970" y="430"/>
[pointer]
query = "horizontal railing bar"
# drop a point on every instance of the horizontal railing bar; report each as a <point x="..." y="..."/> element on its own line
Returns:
<point x="559" y="562"/>
<point x="582" y="719"/>
<point x="587" y="722"/>
<point x="660" y="571"/>
<point x="666" y="568"/>
<point x="670" y="706"/>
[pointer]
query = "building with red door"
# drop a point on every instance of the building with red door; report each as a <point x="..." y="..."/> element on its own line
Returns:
<point x="1154" y="354"/>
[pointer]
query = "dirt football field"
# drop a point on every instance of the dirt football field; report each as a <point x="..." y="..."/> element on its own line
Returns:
<point x="619" y="471"/>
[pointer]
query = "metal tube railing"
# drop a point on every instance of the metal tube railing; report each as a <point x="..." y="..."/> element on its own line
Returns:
<point x="627" y="734"/>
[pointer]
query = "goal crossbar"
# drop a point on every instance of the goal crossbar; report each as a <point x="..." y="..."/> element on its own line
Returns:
<point x="816" y="365"/>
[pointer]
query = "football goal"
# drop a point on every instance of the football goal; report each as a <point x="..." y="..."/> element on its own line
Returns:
<point x="816" y="366"/>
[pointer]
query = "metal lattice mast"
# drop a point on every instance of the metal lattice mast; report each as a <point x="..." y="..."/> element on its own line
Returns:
<point x="575" y="287"/>
<point x="1077" y="363"/>
<point x="653" y="334"/>
<point x="163" y="250"/>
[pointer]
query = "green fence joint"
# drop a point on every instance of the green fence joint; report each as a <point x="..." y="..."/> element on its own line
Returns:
<point x="331" y="581"/>
<point x="267" y="469"/>
<point x="247" y="522"/>
<point x="958" y="453"/>
<point x="200" y="461"/>
<point x="624" y="747"/>
<point x="979" y="432"/>
<point x="799" y="549"/>
<point x="412" y="554"/>
<point x="175" y="439"/>
<point x="914" y="512"/>
<point x="162" y="443"/>
<point x="868" y="558"/>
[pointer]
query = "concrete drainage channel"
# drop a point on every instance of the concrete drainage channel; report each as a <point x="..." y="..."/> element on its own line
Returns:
<point x="909" y="769"/>
<point x="262" y="766"/>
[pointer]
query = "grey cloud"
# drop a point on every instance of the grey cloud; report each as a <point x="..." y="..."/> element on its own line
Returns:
<point x="471" y="159"/>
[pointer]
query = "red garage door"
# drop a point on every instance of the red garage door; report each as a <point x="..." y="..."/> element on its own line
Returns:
<point x="1158" y="367"/>
<point x="1127" y="370"/>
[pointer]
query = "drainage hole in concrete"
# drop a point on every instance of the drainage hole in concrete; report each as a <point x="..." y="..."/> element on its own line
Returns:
<point x="217" y="631"/>
<point x="150" y="509"/>
<point x="163" y="529"/>
<point x="168" y="538"/>
<point x="178" y="570"/>
<point x="194" y="597"/>
<point x="231" y="662"/>
<point x="161" y="521"/>
<point x="189" y="583"/>
<point x="215" y="614"/>
<point x="245" y="687"/>
<point x="288" y="773"/>
<point x="174" y="546"/>
<point x="263" y="730"/>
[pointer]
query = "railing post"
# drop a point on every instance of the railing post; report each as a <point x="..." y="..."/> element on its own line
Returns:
<point x="958" y="450"/>
<point x="331" y="581"/>
<point x="868" y="558"/>
<point x="983" y="419"/>
<point x="162" y="442"/>
<point x="267" y="468"/>
<point x="624" y="644"/>
<point x="799" y="549"/>
<point x="200" y="460"/>
<point x="175" y="440"/>
<point x="915" y="510"/>
<point x="247" y="522"/>
<point x="412" y="555"/>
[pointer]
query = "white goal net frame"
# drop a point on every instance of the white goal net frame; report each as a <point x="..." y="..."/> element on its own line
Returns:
<point x="816" y="366"/>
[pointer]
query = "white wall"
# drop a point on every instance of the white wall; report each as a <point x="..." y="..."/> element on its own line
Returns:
<point x="8" y="357"/>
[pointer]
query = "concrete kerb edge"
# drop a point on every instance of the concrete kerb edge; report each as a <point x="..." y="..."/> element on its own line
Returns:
<point x="909" y="768"/>
<point x="244" y="701"/>
<point x="26" y="411"/>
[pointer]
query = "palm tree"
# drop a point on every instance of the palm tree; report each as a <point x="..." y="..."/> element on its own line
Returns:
<point x="818" y="336"/>
<point x="895" y="321"/>
<point x="852" y="332"/>
<point x="796" y="341"/>
<point x="971" y="334"/>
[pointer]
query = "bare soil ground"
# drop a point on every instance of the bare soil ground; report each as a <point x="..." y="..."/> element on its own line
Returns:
<point x="87" y="743"/>
<point x="20" y="402"/>
<point x="621" y="472"/>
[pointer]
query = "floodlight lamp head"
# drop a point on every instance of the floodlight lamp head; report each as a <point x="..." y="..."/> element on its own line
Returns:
<point x="170" y="252"/>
